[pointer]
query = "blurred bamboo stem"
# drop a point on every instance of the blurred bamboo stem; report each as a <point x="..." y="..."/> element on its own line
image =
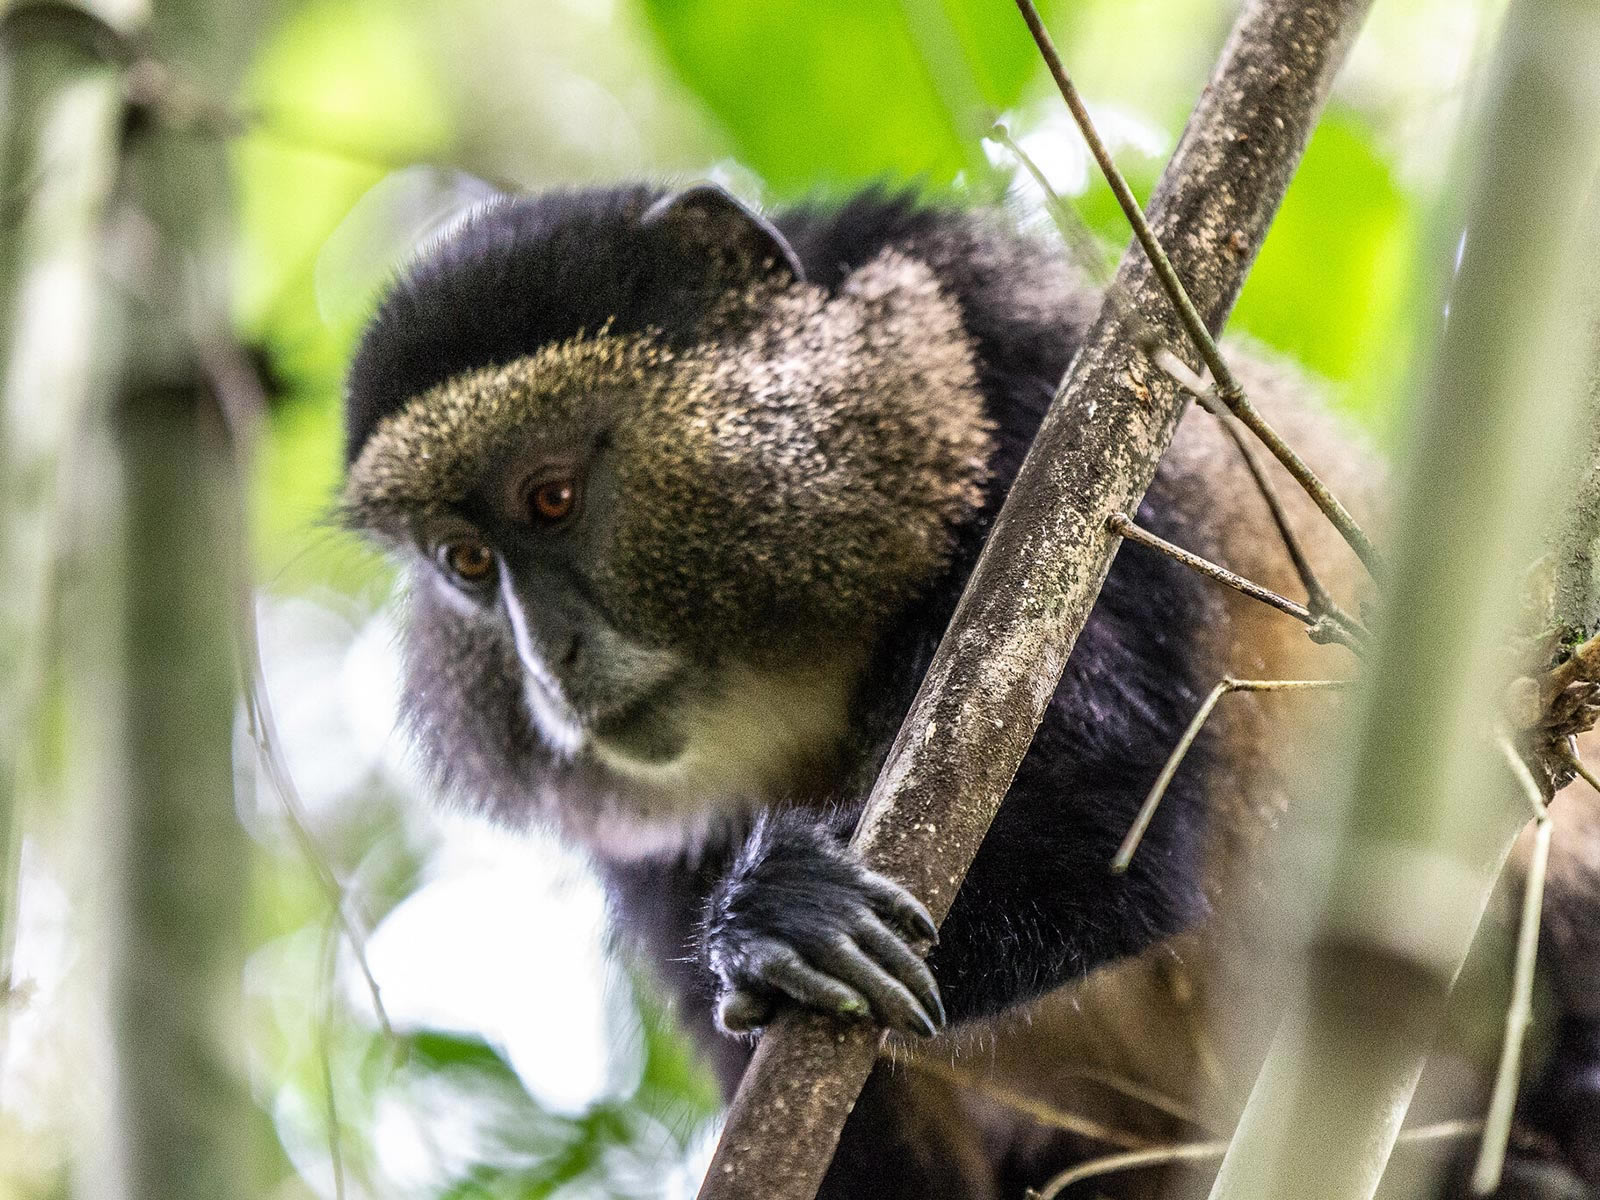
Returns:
<point x="1575" y="591"/>
<point x="58" y="121"/>
<point x="180" y="1123"/>
<point x="1043" y="565"/>
<point x="1430" y="811"/>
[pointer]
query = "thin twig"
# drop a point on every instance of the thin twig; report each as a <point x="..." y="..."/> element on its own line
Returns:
<point x="1133" y="1090"/>
<point x="1317" y="596"/>
<point x="1158" y="1156"/>
<point x="1240" y="406"/>
<point x="1519" y="1013"/>
<point x="1038" y="1110"/>
<point x="263" y="732"/>
<point x="1228" y="387"/>
<point x="1502" y="1105"/>
<point x="326" y="970"/>
<point x="1147" y="811"/>
<point x="1524" y="777"/>
<point x="1323" y="628"/>
<point x="1319" y="599"/>
<point x="1584" y="773"/>
<point x="1124" y="526"/>
<point x="1086" y="248"/>
<point x="1155" y="1156"/>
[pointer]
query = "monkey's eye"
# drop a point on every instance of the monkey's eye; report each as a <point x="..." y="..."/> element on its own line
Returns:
<point x="471" y="562"/>
<point x="553" y="501"/>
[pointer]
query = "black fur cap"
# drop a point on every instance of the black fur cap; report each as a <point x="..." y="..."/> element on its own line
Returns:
<point x="522" y="272"/>
<point x="526" y="271"/>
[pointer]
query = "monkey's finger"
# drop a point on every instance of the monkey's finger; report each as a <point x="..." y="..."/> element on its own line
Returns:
<point x="878" y="940"/>
<point x="892" y="1001"/>
<point x="781" y="967"/>
<point x="740" y="1010"/>
<point x="894" y="903"/>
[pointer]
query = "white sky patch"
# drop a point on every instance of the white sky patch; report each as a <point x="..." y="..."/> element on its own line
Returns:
<point x="39" y="964"/>
<point x="1058" y="150"/>
<point x="683" y="1178"/>
<point x="506" y="941"/>
<point x="320" y="733"/>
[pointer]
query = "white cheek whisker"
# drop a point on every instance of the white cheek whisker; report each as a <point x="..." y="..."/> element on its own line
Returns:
<point x="555" y="723"/>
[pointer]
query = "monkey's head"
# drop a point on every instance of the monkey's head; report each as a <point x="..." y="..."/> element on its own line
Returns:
<point x="656" y="493"/>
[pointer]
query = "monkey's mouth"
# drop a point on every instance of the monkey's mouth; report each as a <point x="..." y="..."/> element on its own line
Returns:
<point x="641" y="727"/>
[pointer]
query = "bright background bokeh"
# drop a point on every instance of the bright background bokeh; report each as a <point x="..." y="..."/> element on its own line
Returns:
<point x="526" y="1058"/>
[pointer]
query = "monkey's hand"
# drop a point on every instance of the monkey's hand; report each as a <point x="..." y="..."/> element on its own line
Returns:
<point x="798" y="918"/>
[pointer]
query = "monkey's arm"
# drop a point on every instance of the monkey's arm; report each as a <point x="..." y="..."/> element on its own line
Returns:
<point x="1040" y="906"/>
<point x="797" y="916"/>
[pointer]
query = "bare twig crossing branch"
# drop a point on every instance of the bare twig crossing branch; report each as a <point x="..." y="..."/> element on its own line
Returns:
<point x="1324" y="627"/>
<point x="1229" y="389"/>
<point x="1147" y="811"/>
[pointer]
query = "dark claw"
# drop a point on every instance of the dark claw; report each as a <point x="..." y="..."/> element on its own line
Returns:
<point x="892" y="1002"/>
<point x="894" y="954"/>
<point x="904" y="909"/>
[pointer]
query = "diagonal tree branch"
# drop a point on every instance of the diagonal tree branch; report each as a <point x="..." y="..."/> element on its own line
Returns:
<point x="1228" y="388"/>
<point x="1032" y="590"/>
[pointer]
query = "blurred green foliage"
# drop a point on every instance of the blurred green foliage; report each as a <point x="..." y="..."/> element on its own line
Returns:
<point x="819" y="93"/>
<point x="1330" y="285"/>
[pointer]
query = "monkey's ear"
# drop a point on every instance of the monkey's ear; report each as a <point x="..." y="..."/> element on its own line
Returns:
<point x="736" y="240"/>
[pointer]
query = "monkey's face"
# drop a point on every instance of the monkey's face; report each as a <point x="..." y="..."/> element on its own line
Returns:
<point x="679" y="551"/>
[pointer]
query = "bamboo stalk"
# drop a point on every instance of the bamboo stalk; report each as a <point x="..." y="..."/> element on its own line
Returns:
<point x="58" y="122"/>
<point x="179" y="1124"/>
<point x="1428" y="809"/>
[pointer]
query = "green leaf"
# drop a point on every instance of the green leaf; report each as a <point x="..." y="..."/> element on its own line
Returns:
<point x="844" y="91"/>
<point x="1330" y="285"/>
<point x="676" y="1073"/>
<point x="435" y="1050"/>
